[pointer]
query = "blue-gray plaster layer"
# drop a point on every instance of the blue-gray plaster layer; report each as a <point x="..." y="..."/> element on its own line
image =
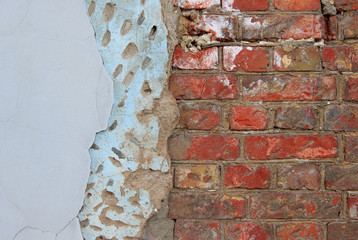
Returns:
<point x="130" y="168"/>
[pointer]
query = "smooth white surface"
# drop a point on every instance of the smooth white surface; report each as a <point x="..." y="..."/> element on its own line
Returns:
<point x="71" y="232"/>
<point x="54" y="97"/>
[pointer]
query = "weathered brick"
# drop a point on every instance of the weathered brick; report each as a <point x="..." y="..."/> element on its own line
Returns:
<point x="245" y="5"/>
<point x="203" y="147"/>
<point x="332" y="28"/>
<point x="291" y="146"/>
<point x="203" y="86"/>
<point x="221" y="27"/>
<point x="341" y="118"/>
<point x="295" y="205"/>
<point x="342" y="177"/>
<point x="346" y="5"/>
<point x="351" y="90"/>
<point x="204" y="59"/>
<point x="340" y="58"/>
<point x="246" y="59"/>
<point x="247" y="176"/>
<point x="304" y="176"/>
<point x="353" y="207"/>
<point x="196" y="230"/>
<point x="249" y="230"/>
<point x="300" y="231"/>
<point x="283" y="27"/>
<point x="205" y="206"/>
<point x="350" y="26"/>
<point x="286" y="88"/>
<point x="199" y="117"/>
<point x="292" y="117"/>
<point x="297" y="5"/>
<point x="351" y="149"/>
<point x="201" y="177"/>
<point x="248" y="118"/>
<point x="342" y="231"/>
<point x="297" y="58"/>
<point x="196" y="4"/>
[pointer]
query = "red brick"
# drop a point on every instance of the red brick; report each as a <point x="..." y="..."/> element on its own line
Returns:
<point x="341" y="118"/>
<point x="295" y="205"/>
<point x="297" y="5"/>
<point x="203" y="147"/>
<point x="304" y="176"/>
<point x="340" y="58"/>
<point x="247" y="176"/>
<point x="221" y="27"/>
<point x="248" y="118"/>
<point x="249" y="231"/>
<point x="245" y="5"/>
<point x="301" y="117"/>
<point x="196" y="231"/>
<point x="291" y="146"/>
<point x="204" y="59"/>
<point x="342" y="177"/>
<point x="287" y="88"/>
<point x="300" y="231"/>
<point x="351" y="90"/>
<point x="205" y="206"/>
<point x="350" y="26"/>
<point x="196" y="4"/>
<point x="201" y="177"/>
<point x="346" y="5"/>
<point x="351" y="149"/>
<point x="203" y="86"/>
<point x="332" y="28"/>
<point x="246" y="59"/>
<point x="297" y="59"/>
<point x="199" y="117"/>
<point x="342" y="231"/>
<point x="353" y="207"/>
<point x="284" y="27"/>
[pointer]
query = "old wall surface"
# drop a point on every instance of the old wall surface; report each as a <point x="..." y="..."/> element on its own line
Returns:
<point x="266" y="146"/>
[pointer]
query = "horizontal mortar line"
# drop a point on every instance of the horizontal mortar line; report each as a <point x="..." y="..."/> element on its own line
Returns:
<point x="250" y="13"/>
<point x="255" y="191"/>
<point x="225" y="102"/>
<point x="286" y="73"/>
<point x="270" y="220"/>
<point x="268" y="163"/>
<point x="238" y="161"/>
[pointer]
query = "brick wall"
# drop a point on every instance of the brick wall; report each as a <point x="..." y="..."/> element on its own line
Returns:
<point x="266" y="146"/>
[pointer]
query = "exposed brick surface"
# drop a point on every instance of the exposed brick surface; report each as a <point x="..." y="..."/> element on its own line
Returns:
<point x="288" y="88"/>
<point x="297" y="5"/>
<point x="295" y="205"/>
<point x="204" y="59"/>
<point x="246" y="59"/>
<point x="284" y="27"/>
<point x="353" y="207"/>
<point x="293" y="117"/>
<point x="204" y="86"/>
<point x="344" y="231"/>
<point x="200" y="176"/>
<point x="199" y="117"/>
<point x="300" y="231"/>
<point x="351" y="149"/>
<point x="197" y="230"/>
<point x="341" y="118"/>
<point x="346" y="4"/>
<point x="246" y="5"/>
<point x="342" y="177"/>
<point x="196" y="4"/>
<point x="340" y="58"/>
<point x="305" y="176"/>
<point x="291" y="146"/>
<point x="249" y="230"/>
<point x="244" y="176"/>
<point x="204" y="147"/>
<point x="351" y="90"/>
<point x="350" y="26"/>
<point x="205" y="206"/>
<point x="248" y="118"/>
<point x="292" y="58"/>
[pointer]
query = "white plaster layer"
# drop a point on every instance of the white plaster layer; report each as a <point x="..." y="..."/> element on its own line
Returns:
<point x="54" y="97"/>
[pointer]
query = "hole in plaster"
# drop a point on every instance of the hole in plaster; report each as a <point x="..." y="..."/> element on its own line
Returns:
<point x="118" y="153"/>
<point x="146" y="63"/>
<point x="117" y="71"/>
<point x="130" y="51"/>
<point x="126" y="27"/>
<point x="128" y="79"/>
<point x="152" y="33"/>
<point x="106" y="38"/>
<point x="141" y="18"/>
<point x="91" y="8"/>
<point x="142" y="2"/>
<point x="108" y="12"/>
<point x="113" y="125"/>
<point x="99" y="169"/>
<point x="146" y="88"/>
<point x="94" y="147"/>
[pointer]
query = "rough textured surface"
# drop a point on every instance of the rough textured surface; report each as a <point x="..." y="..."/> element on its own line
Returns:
<point x="130" y="170"/>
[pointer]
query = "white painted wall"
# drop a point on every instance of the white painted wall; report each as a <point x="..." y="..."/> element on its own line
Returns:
<point x="54" y="97"/>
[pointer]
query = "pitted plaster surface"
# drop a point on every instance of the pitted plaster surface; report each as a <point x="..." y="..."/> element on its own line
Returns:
<point x="54" y="96"/>
<point x="130" y="170"/>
